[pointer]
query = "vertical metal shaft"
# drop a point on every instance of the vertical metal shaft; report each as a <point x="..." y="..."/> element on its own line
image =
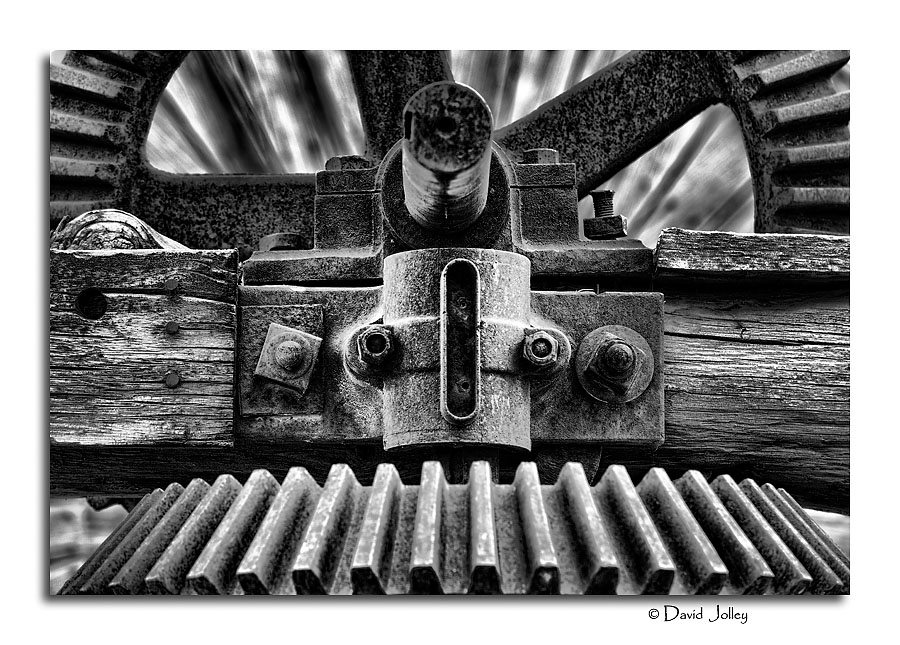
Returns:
<point x="446" y="156"/>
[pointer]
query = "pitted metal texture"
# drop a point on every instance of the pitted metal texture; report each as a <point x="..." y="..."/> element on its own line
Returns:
<point x="660" y="537"/>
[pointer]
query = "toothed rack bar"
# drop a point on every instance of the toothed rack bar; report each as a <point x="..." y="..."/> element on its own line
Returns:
<point x="681" y="537"/>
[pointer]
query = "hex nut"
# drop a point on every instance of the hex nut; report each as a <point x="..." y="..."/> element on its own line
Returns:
<point x="540" y="348"/>
<point x="614" y="364"/>
<point x="375" y="345"/>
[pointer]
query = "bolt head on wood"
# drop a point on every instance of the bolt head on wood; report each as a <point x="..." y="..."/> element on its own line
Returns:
<point x="172" y="379"/>
<point x="171" y="285"/>
<point x="172" y="327"/>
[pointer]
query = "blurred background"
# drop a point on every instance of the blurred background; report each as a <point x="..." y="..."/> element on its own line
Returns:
<point x="275" y="112"/>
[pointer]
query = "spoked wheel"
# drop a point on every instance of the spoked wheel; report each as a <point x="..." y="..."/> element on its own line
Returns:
<point x="793" y="122"/>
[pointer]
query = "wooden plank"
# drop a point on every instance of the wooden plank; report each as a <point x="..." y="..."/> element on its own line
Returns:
<point x="757" y="386"/>
<point x="725" y="256"/>
<point x="201" y="274"/>
<point x="107" y="375"/>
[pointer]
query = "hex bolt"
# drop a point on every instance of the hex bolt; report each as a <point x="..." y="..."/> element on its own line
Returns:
<point x="171" y="285"/>
<point x="540" y="155"/>
<point x="375" y="345"/>
<point x="603" y="202"/>
<point x="172" y="379"/>
<point x="614" y="364"/>
<point x="348" y="162"/>
<point x="618" y="359"/>
<point x="290" y="355"/>
<point x="172" y="327"/>
<point x="540" y="348"/>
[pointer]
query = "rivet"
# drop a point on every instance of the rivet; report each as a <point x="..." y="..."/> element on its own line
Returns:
<point x="171" y="285"/>
<point x="172" y="327"/>
<point x="172" y="379"/>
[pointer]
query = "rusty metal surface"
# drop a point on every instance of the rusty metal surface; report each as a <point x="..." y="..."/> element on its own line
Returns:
<point x="794" y="125"/>
<point x="660" y="537"/>
<point x="423" y="344"/>
<point x="446" y="156"/>
<point x="101" y="107"/>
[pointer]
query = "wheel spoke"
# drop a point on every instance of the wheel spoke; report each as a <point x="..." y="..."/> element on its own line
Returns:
<point x="613" y="117"/>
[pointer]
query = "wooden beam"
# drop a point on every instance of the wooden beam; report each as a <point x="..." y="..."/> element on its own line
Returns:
<point x="757" y="386"/>
<point x="134" y="364"/>
<point x="714" y="255"/>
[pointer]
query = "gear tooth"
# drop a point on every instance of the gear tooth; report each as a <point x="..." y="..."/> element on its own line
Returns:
<point x="791" y="577"/>
<point x="821" y="578"/>
<point x="821" y="547"/>
<point x="645" y="565"/>
<point x="215" y="570"/>
<point x="698" y="568"/>
<point x="130" y="578"/>
<point x="484" y="561"/>
<point x="371" y="567"/>
<point x="265" y="568"/>
<point x="749" y="573"/>
<point x="168" y="575"/>
<point x="800" y="207"/>
<point x="599" y="566"/>
<point x="833" y="109"/>
<point x="814" y="527"/>
<point x="94" y="131"/>
<point x="803" y="68"/>
<point x="96" y="560"/>
<point x="426" y="566"/>
<point x="136" y="61"/>
<point x="821" y="155"/>
<point x="79" y="169"/>
<point x="68" y="81"/>
<point x="98" y="583"/>
<point x="318" y="567"/>
<point x="542" y="562"/>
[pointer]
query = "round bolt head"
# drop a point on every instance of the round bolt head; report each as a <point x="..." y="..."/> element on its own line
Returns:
<point x="617" y="359"/>
<point x="172" y="379"/>
<point x="290" y="355"/>
<point x="171" y="285"/>
<point x="614" y="364"/>
<point x="172" y="327"/>
<point x="375" y="345"/>
<point x="540" y="348"/>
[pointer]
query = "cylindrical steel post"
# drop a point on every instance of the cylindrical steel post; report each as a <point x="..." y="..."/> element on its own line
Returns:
<point x="446" y="156"/>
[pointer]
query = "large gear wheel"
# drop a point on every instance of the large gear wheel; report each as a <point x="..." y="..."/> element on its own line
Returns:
<point x="793" y="121"/>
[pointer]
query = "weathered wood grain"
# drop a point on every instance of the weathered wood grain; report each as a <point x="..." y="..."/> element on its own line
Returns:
<point x="107" y="376"/>
<point x="200" y="274"/>
<point x="726" y="256"/>
<point x="758" y="386"/>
